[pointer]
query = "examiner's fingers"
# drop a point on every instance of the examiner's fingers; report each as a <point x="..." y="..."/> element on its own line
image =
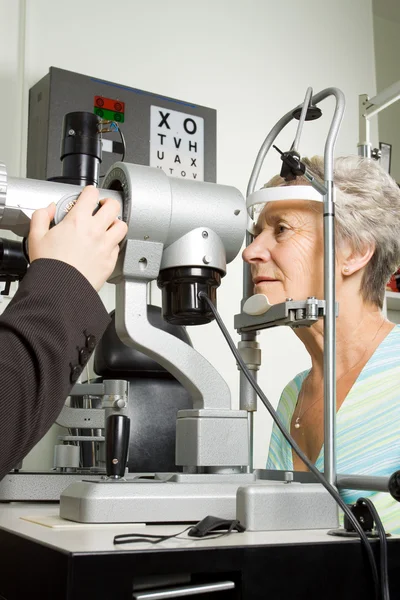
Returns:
<point x="40" y="222"/>
<point x="116" y="232"/>
<point x="108" y="212"/>
<point x="86" y="203"/>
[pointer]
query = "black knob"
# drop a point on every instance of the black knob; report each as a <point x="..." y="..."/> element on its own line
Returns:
<point x="313" y="112"/>
<point x="394" y="485"/>
<point x="117" y="444"/>
<point x="363" y="515"/>
<point x="76" y="370"/>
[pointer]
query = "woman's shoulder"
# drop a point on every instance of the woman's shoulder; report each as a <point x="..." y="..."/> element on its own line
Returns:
<point x="288" y="399"/>
<point x="291" y="391"/>
<point x="392" y="340"/>
<point x="395" y="333"/>
<point x="386" y="358"/>
<point x="294" y="386"/>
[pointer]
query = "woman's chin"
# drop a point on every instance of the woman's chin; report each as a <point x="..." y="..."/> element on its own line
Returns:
<point x="274" y="294"/>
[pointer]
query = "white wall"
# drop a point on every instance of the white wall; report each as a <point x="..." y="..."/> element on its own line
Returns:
<point x="251" y="60"/>
<point x="387" y="52"/>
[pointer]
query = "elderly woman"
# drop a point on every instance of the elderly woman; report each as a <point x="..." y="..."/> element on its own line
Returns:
<point x="286" y="259"/>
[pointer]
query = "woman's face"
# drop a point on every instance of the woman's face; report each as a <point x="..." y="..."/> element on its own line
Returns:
<point x="286" y="256"/>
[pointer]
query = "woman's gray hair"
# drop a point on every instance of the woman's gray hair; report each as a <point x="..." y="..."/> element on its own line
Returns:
<point x="367" y="204"/>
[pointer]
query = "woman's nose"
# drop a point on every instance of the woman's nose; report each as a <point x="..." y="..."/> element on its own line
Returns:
<point x="256" y="252"/>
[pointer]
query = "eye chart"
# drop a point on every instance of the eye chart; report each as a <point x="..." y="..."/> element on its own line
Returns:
<point x="177" y="143"/>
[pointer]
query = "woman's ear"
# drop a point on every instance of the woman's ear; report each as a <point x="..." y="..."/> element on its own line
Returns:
<point x="355" y="260"/>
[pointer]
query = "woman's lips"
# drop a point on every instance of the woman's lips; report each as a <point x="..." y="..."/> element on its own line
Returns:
<point x="258" y="280"/>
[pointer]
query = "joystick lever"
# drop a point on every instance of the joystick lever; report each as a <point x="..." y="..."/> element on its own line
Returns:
<point x="117" y="444"/>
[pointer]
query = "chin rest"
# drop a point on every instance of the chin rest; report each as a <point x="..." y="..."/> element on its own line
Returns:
<point x="154" y="395"/>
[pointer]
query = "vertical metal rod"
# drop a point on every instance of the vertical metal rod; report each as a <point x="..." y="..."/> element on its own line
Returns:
<point x="306" y="104"/>
<point x="250" y="421"/>
<point x="364" y="132"/>
<point x="248" y="396"/>
<point x="248" y="401"/>
<point x="329" y="338"/>
<point x="330" y="295"/>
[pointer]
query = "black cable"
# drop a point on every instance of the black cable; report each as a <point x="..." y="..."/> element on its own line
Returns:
<point x="295" y="447"/>
<point x="123" y="142"/>
<point x="383" y="546"/>
<point x="132" y="538"/>
<point x="123" y="146"/>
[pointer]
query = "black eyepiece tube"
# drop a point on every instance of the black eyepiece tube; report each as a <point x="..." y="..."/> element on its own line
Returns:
<point x="180" y="294"/>
<point x="13" y="261"/>
<point x="80" y="149"/>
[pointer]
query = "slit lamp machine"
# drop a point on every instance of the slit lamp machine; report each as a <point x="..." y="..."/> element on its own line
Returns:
<point x="183" y="233"/>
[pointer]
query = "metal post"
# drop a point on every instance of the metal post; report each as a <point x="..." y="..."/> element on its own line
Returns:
<point x="248" y="396"/>
<point x="363" y="482"/>
<point x="250" y="421"/>
<point x="364" y="144"/>
<point x="329" y="337"/>
<point x="330" y="294"/>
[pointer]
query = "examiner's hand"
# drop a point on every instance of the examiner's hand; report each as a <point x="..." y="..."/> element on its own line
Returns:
<point x="85" y="241"/>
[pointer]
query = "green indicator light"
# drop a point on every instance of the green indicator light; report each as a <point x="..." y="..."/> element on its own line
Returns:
<point x="109" y="115"/>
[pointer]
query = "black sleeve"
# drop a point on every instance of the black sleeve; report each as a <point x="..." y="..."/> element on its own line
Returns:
<point x="53" y="315"/>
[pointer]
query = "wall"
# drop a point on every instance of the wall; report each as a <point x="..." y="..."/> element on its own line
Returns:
<point x="386" y="25"/>
<point x="250" y="60"/>
<point x="11" y="101"/>
<point x="387" y="52"/>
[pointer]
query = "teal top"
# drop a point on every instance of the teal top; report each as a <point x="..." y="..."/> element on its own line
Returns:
<point x="367" y="427"/>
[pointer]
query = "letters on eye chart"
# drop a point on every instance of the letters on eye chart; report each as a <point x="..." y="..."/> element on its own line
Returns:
<point x="177" y="143"/>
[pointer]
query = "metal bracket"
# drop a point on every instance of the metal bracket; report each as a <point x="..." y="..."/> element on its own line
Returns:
<point x="294" y="313"/>
<point x="81" y="418"/>
<point x="113" y="394"/>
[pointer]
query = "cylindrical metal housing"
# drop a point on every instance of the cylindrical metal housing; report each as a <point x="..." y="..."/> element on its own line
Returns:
<point x="219" y="207"/>
<point x="24" y="196"/>
<point x="196" y="227"/>
<point x="163" y="209"/>
<point x="66" y="456"/>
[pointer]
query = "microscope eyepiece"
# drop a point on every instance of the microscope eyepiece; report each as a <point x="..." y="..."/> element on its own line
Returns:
<point x="81" y="149"/>
<point x="180" y="288"/>
<point x="13" y="262"/>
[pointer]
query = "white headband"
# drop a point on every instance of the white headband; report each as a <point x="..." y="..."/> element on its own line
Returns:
<point x="272" y="194"/>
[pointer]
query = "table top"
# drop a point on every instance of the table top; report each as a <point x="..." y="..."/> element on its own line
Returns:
<point x="41" y="523"/>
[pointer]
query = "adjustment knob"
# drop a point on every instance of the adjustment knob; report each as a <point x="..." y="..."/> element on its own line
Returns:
<point x="394" y="485"/>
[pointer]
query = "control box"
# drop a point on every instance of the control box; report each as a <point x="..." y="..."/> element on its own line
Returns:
<point x="174" y="135"/>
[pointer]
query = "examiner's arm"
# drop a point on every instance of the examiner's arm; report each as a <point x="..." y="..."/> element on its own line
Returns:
<point x="55" y="314"/>
<point x="55" y="317"/>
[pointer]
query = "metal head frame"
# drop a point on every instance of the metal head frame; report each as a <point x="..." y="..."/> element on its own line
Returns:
<point x="247" y="394"/>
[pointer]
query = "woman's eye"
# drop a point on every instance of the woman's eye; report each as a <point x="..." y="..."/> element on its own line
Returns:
<point x="281" y="228"/>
